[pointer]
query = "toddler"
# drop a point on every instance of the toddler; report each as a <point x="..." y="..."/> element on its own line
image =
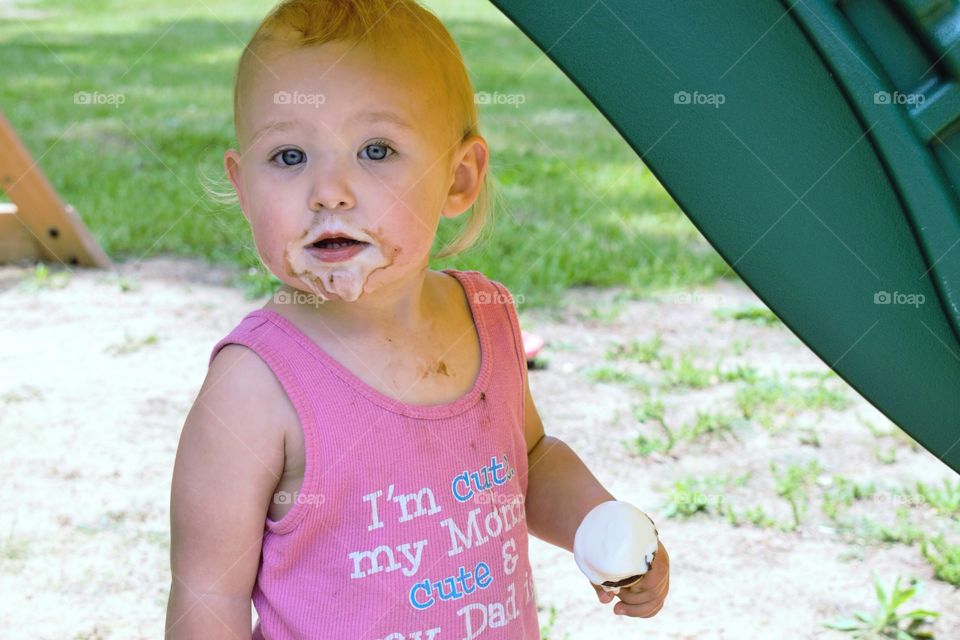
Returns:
<point x="364" y="459"/>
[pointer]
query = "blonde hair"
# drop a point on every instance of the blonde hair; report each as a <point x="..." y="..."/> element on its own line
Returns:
<point x="380" y="23"/>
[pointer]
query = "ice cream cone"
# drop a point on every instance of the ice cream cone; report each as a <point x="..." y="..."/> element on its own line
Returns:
<point x="614" y="586"/>
<point x="615" y="545"/>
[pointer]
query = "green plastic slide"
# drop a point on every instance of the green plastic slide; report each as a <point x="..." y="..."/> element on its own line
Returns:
<point x="816" y="145"/>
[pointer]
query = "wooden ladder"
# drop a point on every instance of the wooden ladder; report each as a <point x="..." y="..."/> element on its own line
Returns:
<point x="36" y="224"/>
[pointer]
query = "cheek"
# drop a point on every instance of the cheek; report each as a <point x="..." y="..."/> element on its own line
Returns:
<point x="271" y="231"/>
<point x="271" y="210"/>
<point x="268" y="246"/>
<point x="411" y="222"/>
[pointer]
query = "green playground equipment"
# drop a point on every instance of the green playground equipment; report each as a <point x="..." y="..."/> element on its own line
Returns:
<point x="816" y="145"/>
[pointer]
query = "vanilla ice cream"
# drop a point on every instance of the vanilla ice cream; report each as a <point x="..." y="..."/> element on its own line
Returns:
<point x="615" y="545"/>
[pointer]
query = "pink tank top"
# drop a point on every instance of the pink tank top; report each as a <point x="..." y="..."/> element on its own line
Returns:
<point x="410" y="522"/>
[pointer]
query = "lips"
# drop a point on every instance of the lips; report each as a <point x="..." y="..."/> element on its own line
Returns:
<point x="336" y="248"/>
<point x="336" y="242"/>
<point x="330" y="239"/>
<point x="331" y="235"/>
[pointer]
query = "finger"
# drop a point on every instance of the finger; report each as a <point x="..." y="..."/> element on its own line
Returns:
<point x="603" y="596"/>
<point x="659" y="568"/>
<point x="636" y="599"/>
<point x="666" y="587"/>
<point x="661" y="583"/>
<point x="648" y="595"/>
<point x="642" y="592"/>
<point x="641" y="585"/>
<point x="658" y="591"/>
<point x="647" y="610"/>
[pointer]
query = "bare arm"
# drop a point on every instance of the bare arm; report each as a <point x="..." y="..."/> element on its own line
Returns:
<point x="556" y="476"/>
<point x="229" y="461"/>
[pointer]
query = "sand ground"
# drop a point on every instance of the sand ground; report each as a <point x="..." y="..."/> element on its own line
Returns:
<point x="97" y="378"/>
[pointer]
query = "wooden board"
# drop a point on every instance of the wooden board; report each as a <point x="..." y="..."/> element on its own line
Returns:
<point x="38" y="224"/>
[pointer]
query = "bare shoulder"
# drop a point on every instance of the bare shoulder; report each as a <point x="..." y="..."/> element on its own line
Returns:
<point x="228" y="463"/>
<point x="241" y="407"/>
<point x="240" y="378"/>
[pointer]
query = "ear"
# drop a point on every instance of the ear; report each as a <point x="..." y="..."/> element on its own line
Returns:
<point x="469" y="168"/>
<point x="231" y="163"/>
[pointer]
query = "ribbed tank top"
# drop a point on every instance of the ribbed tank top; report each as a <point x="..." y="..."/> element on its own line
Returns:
<point x="410" y="521"/>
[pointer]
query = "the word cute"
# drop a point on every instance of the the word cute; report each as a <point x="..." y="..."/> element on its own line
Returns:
<point x="466" y="529"/>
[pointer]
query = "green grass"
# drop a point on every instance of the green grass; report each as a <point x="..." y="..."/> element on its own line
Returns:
<point x="44" y="278"/>
<point x="841" y="493"/>
<point x="546" y="631"/>
<point x="580" y="207"/>
<point x="793" y="484"/>
<point x="605" y="373"/>
<point x="756" y="315"/>
<point x="691" y="495"/>
<point x="754" y="515"/>
<point x="651" y="411"/>
<point x="946" y="500"/>
<point x="943" y="557"/>
<point x="740" y="373"/>
<point x="14" y="547"/>
<point x="643" y="352"/>
<point x="683" y="372"/>
<point x="131" y="344"/>
<point x="886" y="621"/>
<point x="903" y="532"/>
<point x="708" y="425"/>
<point x="705" y="426"/>
<point x="900" y="438"/>
<point x="678" y="371"/>
<point x="771" y="400"/>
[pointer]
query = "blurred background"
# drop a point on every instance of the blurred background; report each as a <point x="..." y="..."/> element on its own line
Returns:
<point x="786" y="501"/>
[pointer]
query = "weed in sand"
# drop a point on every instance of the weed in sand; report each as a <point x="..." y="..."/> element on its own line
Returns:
<point x="944" y="558"/>
<point x="792" y="484"/>
<point x="643" y="352"/>
<point x="885" y="622"/>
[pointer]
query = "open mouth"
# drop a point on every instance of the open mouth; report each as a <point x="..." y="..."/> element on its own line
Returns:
<point x="336" y="249"/>
<point x="336" y="243"/>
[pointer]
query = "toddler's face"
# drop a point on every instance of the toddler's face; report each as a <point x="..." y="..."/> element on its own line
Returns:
<point x="335" y="142"/>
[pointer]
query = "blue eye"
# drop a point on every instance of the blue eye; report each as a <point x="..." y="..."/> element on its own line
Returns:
<point x="289" y="157"/>
<point x="378" y="150"/>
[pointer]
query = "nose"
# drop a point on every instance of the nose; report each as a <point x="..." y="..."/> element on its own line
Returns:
<point x="331" y="188"/>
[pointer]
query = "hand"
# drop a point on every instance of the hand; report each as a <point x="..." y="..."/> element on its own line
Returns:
<point x="645" y="598"/>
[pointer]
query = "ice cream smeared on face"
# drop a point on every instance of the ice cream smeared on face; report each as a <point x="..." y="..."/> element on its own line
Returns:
<point x="316" y="265"/>
<point x="615" y="545"/>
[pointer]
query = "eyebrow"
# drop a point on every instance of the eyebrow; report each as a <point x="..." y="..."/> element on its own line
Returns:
<point x="382" y="116"/>
<point x="283" y="125"/>
<point x="364" y="116"/>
